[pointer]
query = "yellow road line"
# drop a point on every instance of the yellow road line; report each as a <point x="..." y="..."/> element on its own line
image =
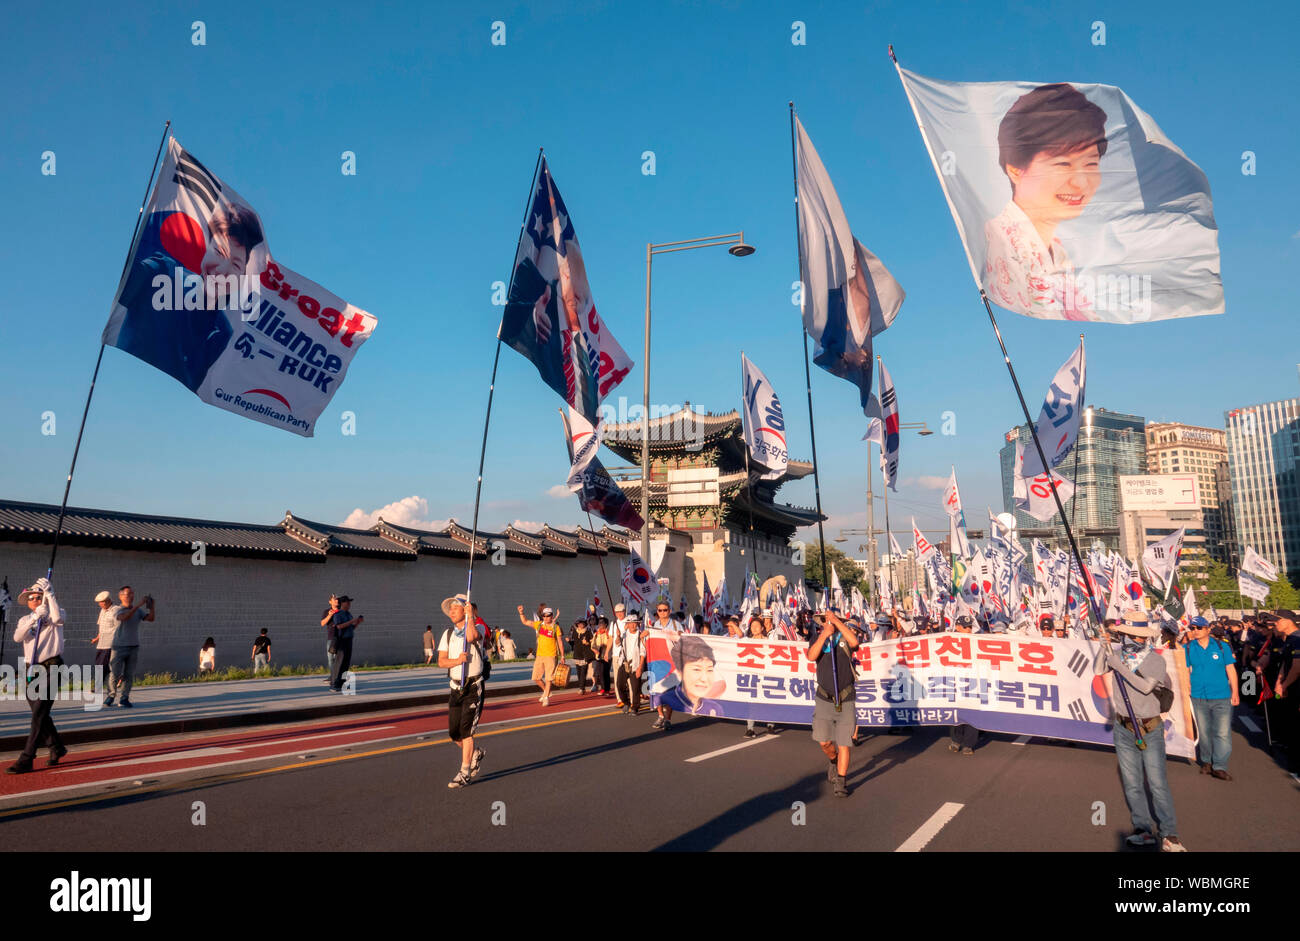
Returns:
<point x="239" y="775"/>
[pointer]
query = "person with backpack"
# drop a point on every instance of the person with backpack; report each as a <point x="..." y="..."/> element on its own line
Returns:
<point x="460" y="654"/>
<point x="834" y="716"/>
<point x="1213" y="671"/>
<point x="1141" y="669"/>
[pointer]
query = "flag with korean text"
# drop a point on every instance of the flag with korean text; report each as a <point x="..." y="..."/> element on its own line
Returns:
<point x="1060" y="417"/>
<point x="202" y="299"/>
<point x="763" y="422"/>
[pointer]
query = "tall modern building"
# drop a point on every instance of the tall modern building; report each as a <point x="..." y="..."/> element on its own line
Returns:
<point x="1176" y="448"/>
<point x="1110" y="444"/>
<point x="1264" y="467"/>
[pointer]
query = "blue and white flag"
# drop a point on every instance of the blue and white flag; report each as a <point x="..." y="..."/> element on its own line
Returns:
<point x="848" y="294"/>
<point x="1062" y="411"/>
<point x="202" y="300"/>
<point x="764" y="424"/>
<point x="1070" y="201"/>
<point x="550" y="316"/>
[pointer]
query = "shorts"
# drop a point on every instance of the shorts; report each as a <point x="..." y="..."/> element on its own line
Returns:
<point x="543" y="667"/>
<point x="428" y="652"/>
<point x="464" y="707"/>
<point x="831" y="726"/>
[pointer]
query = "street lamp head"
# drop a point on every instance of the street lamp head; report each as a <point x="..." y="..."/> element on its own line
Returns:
<point x="741" y="249"/>
<point x="925" y="431"/>
<point x="840" y="539"/>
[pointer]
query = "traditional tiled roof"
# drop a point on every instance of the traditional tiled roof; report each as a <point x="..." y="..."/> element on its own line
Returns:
<point x="671" y="432"/>
<point x="36" y="522"/>
<point x="346" y="541"/>
<point x="426" y="541"/>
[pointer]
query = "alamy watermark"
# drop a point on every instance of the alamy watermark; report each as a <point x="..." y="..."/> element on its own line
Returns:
<point x="67" y="682"/>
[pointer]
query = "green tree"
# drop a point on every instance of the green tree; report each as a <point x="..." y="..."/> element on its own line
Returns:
<point x="1220" y="589"/>
<point x="845" y="567"/>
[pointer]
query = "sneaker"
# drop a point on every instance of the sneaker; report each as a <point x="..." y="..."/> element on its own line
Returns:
<point x="627" y="711"/>
<point x="1171" y="844"/>
<point x="1140" y="838"/>
<point x="666" y="726"/>
<point x="832" y="772"/>
<point x="476" y="762"/>
<point x="968" y="750"/>
<point x="954" y="747"/>
<point x="127" y="704"/>
<point x="659" y="723"/>
<point x="19" y="767"/>
<point x="460" y="780"/>
<point x="542" y="699"/>
<point x="108" y="700"/>
<point x="546" y="700"/>
<point x="1221" y="775"/>
<point x="1206" y="769"/>
<point x="56" y="755"/>
<point x="841" y="786"/>
<point x="750" y="733"/>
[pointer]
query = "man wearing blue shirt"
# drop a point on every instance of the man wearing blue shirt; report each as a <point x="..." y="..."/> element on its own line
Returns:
<point x="1213" y="670"/>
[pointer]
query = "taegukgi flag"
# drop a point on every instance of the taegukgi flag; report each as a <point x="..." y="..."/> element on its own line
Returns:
<point x="848" y="294"/>
<point x="764" y="423"/>
<point x="203" y="300"/>
<point x="550" y="316"/>
<point x="1160" y="559"/>
<point x="1059" y="418"/>
<point x="1070" y="201"/>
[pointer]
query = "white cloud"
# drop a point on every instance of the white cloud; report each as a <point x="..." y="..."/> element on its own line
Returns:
<point x="931" y="483"/>
<point x="559" y="492"/>
<point x="411" y="512"/>
<point x="528" y="526"/>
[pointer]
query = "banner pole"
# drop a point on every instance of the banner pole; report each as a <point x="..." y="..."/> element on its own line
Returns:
<point x="807" y="371"/>
<point x="487" y="418"/>
<point x="601" y="565"/>
<point x="747" y="434"/>
<point x="884" y="489"/>
<point x="1069" y="531"/>
<point x="130" y="253"/>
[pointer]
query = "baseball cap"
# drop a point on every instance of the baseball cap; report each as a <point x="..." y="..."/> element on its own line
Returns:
<point x="1278" y="614"/>
<point x="103" y="596"/>
<point x="547" y="612"/>
<point x="1198" y="622"/>
<point x="620" y="607"/>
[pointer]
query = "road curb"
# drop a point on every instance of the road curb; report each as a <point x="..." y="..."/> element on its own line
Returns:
<point x="13" y="743"/>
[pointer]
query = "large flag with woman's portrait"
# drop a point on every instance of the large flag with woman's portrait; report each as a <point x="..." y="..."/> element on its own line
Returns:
<point x="1070" y="201"/>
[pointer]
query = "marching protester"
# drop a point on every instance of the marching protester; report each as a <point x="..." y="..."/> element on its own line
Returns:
<point x="665" y="623"/>
<point x="580" y="647"/>
<point x="631" y="663"/>
<point x="208" y="656"/>
<point x="41" y="634"/>
<point x="345" y="625"/>
<point x="600" y="645"/>
<point x="550" y="650"/>
<point x="460" y="654"/>
<point x="261" y="653"/>
<point x="1214" y="694"/>
<point x="834" y="716"/>
<point x="1284" y="663"/>
<point x="615" y="655"/>
<point x="126" y="644"/>
<point x="964" y="737"/>
<point x="103" y="641"/>
<point x="1142" y="670"/>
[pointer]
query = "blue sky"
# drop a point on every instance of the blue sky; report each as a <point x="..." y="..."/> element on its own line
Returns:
<point x="445" y="128"/>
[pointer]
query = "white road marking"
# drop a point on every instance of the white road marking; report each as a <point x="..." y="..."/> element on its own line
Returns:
<point x="1249" y="723"/>
<point x="730" y="748"/>
<point x="930" y="829"/>
<point x="1022" y="740"/>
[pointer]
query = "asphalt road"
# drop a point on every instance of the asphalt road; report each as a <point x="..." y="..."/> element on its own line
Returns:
<point x="592" y="779"/>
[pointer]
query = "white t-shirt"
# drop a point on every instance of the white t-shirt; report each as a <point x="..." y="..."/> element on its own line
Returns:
<point x="107" y="627"/>
<point x="453" y="645"/>
<point x="633" y="646"/>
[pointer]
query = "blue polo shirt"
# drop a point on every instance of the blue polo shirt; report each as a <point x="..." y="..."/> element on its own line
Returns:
<point x="1208" y="666"/>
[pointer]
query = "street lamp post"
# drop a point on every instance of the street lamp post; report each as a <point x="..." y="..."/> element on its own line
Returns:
<point x="736" y="245"/>
<point x="920" y="428"/>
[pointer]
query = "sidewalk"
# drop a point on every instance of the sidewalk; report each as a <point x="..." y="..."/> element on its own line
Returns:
<point x="190" y="707"/>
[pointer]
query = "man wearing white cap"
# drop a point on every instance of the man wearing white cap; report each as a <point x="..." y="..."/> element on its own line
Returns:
<point x="460" y="654"/>
<point x="41" y="634"/>
<point x="1141" y="669"/>
<point x="103" y="642"/>
<point x="615" y="653"/>
<point x="550" y="650"/>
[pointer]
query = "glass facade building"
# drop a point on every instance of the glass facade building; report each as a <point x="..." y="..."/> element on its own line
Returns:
<point x="1264" y="469"/>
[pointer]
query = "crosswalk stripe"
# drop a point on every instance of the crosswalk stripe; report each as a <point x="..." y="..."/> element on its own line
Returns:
<point x="930" y="829"/>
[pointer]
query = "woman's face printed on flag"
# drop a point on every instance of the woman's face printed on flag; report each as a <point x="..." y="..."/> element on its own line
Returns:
<point x="1055" y="188"/>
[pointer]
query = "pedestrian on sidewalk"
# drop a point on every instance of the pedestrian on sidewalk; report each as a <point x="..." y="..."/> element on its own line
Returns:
<point x="460" y="654"/>
<point x="1140" y="667"/>
<point x="126" y="643"/>
<point x="261" y="653"/>
<point x="834" y="712"/>
<point x="345" y="627"/>
<point x="208" y="656"/>
<point x="550" y="649"/>
<point x="103" y="641"/>
<point x="328" y="621"/>
<point x="508" y="649"/>
<point x="41" y="634"/>
<point x="632" y="664"/>
<point x="428" y="644"/>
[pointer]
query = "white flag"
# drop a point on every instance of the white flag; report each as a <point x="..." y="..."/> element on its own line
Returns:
<point x="1255" y="564"/>
<point x="1058" y="422"/>
<point x="1161" y="558"/>
<point x="764" y="425"/>
<point x="584" y="442"/>
<point x="923" y="548"/>
<point x="1033" y="495"/>
<point x="1251" y="587"/>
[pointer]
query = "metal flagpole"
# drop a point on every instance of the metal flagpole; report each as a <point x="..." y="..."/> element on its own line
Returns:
<point x="884" y="489"/>
<point x="748" y="434"/>
<point x="482" y="454"/>
<point x="871" y="525"/>
<point x="130" y="253"/>
<point x="608" y="594"/>
<point x="1006" y="358"/>
<point x="807" y="371"/>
